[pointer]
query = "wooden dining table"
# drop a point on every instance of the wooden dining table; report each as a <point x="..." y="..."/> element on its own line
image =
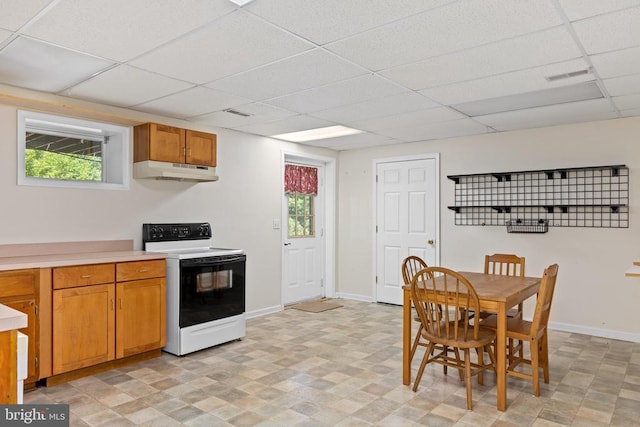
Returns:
<point x="497" y="294"/>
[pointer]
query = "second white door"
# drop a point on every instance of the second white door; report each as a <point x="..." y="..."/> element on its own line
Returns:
<point x="406" y="218"/>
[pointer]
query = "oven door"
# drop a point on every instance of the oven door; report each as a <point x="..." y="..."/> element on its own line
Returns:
<point x="211" y="288"/>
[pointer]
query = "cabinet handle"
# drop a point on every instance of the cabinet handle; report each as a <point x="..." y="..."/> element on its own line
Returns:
<point x="85" y="276"/>
<point x="113" y="305"/>
<point x="143" y="270"/>
<point x="120" y="303"/>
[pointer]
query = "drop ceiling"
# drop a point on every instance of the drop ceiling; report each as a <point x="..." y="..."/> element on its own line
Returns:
<point x="398" y="70"/>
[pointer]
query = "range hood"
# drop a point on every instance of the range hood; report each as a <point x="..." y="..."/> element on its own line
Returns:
<point x="173" y="171"/>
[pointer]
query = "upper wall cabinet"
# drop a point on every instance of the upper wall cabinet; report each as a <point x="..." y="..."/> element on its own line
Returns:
<point x="171" y="144"/>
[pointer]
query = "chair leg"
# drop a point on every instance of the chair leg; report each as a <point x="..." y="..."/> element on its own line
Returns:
<point x="458" y="363"/>
<point x="425" y="358"/>
<point x="416" y="340"/>
<point x="544" y="357"/>
<point x="480" y="352"/>
<point x="535" y="366"/>
<point x="467" y="366"/>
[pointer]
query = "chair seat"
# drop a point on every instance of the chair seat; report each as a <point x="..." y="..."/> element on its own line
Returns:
<point x="517" y="328"/>
<point x="485" y="337"/>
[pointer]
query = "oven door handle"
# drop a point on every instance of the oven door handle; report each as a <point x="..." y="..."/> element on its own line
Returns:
<point x="203" y="262"/>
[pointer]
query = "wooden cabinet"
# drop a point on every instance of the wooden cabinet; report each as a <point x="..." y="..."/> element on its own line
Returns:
<point x="141" y="307"/>
<point x="19" y="290"/>
<point x="163" y="143"/>
<point x="105" y="312"/>
<point x="83" y="327"/>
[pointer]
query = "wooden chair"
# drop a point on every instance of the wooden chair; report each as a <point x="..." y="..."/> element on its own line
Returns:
<point x="410" y="267"/>
<point x="443" y="300"/>
<point x="505" y="265"/>
<point x="534" y="332"/>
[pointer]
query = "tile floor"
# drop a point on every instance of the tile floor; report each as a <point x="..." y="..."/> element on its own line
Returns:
<point x="343" y="368"/>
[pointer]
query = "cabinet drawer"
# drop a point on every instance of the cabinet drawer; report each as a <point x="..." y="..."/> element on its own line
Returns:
<point x="140" y="270"/>
<point x="83" y="275"/>
<point x="18" y="282"/>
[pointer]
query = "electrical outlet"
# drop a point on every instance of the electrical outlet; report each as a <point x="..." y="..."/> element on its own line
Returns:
<point x="276" y="224"/>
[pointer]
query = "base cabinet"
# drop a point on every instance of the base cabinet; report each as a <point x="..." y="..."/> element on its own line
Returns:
<point x="98" y="323"/>
<point x="19" y="290"/>
<point x="83" y="327"/>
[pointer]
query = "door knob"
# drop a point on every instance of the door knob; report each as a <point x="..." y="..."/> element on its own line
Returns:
<point x="430" y="242"/>
<point x="287" y="244"/>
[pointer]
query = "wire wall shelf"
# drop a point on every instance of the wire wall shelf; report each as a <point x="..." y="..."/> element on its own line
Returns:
<point x="594" y="196"/>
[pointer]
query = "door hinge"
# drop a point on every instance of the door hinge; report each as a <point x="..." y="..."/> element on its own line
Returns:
<point x="376" y="178"/>
<point x="322" y="283"/>
<point x="36" y="310"/>
<point x="376" y="279"/>
<point x="376" y="228"/>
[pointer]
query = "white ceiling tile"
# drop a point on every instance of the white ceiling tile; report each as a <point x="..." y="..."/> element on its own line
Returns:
<point x="259" y="113"/>
<point x="328" y="20"/>
<point x="631" y="113"/>
<point x="232" y="44"/>
<point x="123" y="29"/>
<point x="579" y="9"/>
<point x="125" y="86"/>
<point x="361" y="140"/>
<point x="314" y="68"/>
<point x="4" y="35"/>
<point x="574" y="112"/>
<point x="374" y="108"/>
<point x="408" y="120"/>
<point x="618" y="63"/>
<point x="450" y="129"/>
<point x="16" y="13"/>
<point x="609" y="32"/>
<point x="623" y="85"/>
<point x="337" y="94"/>
<point x="36" y="65"/>
<point x="507" y="84"/>
<point x="289" y="124"/>
<point x="192" y="102"/>
<point x="627" y="102"/>
<point x="454" y="27"/>
<point x="545" y="47"/>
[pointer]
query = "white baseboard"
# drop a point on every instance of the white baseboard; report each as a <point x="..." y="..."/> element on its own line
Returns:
<point x="264" y="311"/>
<point x="596" y="332"/>
<point x="354" y="297"/>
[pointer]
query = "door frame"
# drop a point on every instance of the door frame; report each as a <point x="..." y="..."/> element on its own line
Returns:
<point x="328" y="212"/>
<point x="376" y="162"/>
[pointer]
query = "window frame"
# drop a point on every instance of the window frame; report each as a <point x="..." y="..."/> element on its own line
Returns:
<point x="116" y="159"/>
<point x="309" y="200"/>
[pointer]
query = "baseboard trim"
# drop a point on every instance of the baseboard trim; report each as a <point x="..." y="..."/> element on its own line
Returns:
<point x="264" y="311"/>
<point x="355" y="297"/>
<point x="596" y="332"/>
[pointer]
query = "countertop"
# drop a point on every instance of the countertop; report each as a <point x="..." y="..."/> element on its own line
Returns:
<point x="61" y="260"/>
<point x="11" y="319"/>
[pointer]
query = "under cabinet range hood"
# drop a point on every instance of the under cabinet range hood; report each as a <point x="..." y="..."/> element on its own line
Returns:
<point x="173" y="171"/>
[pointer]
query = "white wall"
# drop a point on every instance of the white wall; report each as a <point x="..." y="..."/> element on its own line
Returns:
<point x="592" y="295"/>
<point x="240" y="206"/>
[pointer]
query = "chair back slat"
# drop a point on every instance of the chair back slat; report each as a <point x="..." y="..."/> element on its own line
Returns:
<point x="410" y="266"/>
<point x="504" y="265"/>
<point x="444" y="300"/>
<point x="545" y="297"/>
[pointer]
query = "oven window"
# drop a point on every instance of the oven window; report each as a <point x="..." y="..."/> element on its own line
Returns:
<point x="211" y="290"/>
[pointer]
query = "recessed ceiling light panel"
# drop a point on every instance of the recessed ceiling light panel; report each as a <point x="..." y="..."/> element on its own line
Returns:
<point x="240" y="2"/>
<point x="318" y="133"/>
<point x="540" y="98"/>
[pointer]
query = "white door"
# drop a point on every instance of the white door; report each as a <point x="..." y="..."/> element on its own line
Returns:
<point x="406" y="218"/>
<point x="303" y="245"/>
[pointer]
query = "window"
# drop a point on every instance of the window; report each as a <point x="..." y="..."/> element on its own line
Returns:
<point x="65" y="152"/>
<point x="301" y="218"/>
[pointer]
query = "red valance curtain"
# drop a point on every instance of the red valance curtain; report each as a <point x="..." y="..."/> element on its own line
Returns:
<point x="300" y="179"/>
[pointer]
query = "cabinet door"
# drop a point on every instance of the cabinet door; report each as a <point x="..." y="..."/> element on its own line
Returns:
<point x="83" y="327"/>
<point x="166" y="143"/>
<point x="201" y="148"/>
<point x="29" y="308"/>
<point x="141" y="316"/>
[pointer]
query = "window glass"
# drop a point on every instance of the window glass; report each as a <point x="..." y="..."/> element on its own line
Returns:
<point x="66" y="152"/>
<point x="301" y="222"/>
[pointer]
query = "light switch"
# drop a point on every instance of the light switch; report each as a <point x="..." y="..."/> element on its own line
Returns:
<point x="276" y="224"/>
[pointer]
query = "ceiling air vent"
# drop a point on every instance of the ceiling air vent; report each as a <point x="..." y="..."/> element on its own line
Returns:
<point x="563" y="76"/>
<point x="236" y="112"/>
